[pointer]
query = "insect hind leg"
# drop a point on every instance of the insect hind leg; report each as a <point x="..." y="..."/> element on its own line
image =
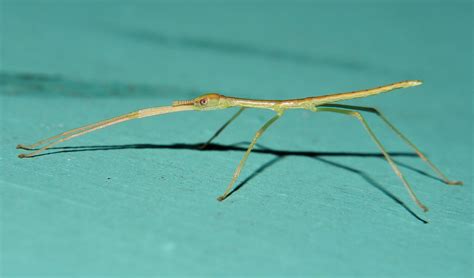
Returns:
<point x="377" y="112"/>
<point x="387" y="156"/>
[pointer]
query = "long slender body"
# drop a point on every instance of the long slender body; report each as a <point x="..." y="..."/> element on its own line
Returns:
<point x="310" y="102"/>
<point x="215" y="101"/>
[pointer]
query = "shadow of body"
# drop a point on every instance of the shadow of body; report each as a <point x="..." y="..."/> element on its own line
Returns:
<point x="279" y="155"/>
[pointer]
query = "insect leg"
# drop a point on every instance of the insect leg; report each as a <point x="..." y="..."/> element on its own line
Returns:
<point x="246" y="155"/>
<point x="89" y="128"/>
<point x="392" y="164"/>
<point x="403" y="137"/>
<point x="222" y="128"/>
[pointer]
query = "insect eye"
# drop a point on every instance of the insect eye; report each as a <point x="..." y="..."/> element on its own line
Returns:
<point x="203" y="101"/>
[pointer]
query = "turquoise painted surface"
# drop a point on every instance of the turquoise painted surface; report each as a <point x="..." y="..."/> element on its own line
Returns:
<point x="139" y="199"/>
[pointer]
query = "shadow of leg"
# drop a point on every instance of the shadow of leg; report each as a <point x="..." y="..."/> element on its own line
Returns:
<point x="256" y="173"/>
<point x="374" y="184"/>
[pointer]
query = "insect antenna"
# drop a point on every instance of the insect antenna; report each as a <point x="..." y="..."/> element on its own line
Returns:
<point x="182" y="102"/>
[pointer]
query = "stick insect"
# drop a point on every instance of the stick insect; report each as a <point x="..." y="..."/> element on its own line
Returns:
<point x="214" y="101"/>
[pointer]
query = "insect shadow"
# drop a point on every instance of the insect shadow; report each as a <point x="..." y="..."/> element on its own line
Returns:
<point x="246" y="49"/>
<point x="279" y="155"/>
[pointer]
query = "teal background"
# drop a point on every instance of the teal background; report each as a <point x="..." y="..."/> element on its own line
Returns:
<point x="138" y="198"/>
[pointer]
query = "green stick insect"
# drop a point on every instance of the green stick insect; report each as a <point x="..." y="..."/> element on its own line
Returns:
<point x="215" y="101"/>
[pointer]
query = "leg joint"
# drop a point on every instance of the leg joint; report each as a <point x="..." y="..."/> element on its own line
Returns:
<point x="356" y="114"/>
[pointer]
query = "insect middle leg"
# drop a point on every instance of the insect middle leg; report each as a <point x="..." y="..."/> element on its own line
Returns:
<point x="203" y="146"/>
<point x="246" y="155"/>
<point x="390" y="161"/>
<point x="400" y="134"/>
